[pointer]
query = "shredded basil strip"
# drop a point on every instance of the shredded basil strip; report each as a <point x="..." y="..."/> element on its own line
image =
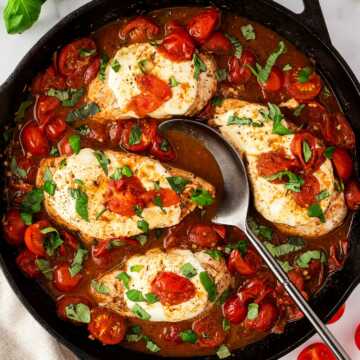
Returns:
<point x="74" y="141"/>
<point x="83" y="112"/>
<point x="248" y="32"/>
<point x="304" y="259"/>
<point x="188" y="270"/>
<point x="100" y="287"/>
<point x="307" y="153"/>
<point x="135" y="295"/>
<point x="294" y="181"/>
<point x="135" y="135"/>
<point x="209" y="285"/>
<point x="260" y="230"/>
<point x="49" y="184"/>
<point x="77" y="263"/>
<point x="236" y="44"/>
<point x="241" y="246"/>
<point x="329" y="151"/>
<point x="173" y="82"/>
<point x="52" y="240"/>
<point x="314" y="210"/>
<point x="103" y="160"/>
<point x="44" y="266"/>
<point x="202" y="197"/>
<point x="297" y="112"/>
<point x="188" y="336"/>
<point x="322" y="195"/>
<point x="177" y="183"/>
<point x="32" y="201"/>
<point x="115" y="65"/>
<point x="253" y="311"/>
<point x="104" y="59"/>
<point x="236" y="120"/>
<point x="283" y="249"/>
<point x="221" y="74"/>
<point x="125" y="278"/>
<point x="140" y="312"/>
<point x="16" y="170"/>
<point x="78" y="312"/>
<point x="304" y="74"/>
<point x="215" y="254"/>
<point x="143" y="226"/>
<point x="199" y="66"/>
<point x="223" y="352"/>
<point x="69" y="97"/>
<point x="20" y="113"/>
<point x="81" y="203"/>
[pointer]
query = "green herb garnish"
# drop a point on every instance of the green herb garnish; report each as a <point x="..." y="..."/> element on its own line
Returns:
<point x="81" y="203"/>
<point x="199" y="66"/>
<point x="188" y="270"/>
<point x="202" y="197"/>
<point x="177" y="183"/>
<point x="209" y="285"/>
<point x="83" y="112"/>
<point x="100" y="287"/>
<point x="78" y="261"/>
<point x="248" y="32"/>
<point x="78" y="312"/>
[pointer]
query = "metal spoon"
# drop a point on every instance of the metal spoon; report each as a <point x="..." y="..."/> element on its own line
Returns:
<point x="233" y="210"/>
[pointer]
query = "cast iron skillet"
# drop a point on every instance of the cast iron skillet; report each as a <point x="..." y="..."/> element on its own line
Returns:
<point x="309" y="33"/>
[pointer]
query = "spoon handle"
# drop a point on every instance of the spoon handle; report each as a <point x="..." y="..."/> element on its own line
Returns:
<point x="298" y="299"/>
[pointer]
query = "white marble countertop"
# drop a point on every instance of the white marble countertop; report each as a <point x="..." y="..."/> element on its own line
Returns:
<point x="342" y="18"/>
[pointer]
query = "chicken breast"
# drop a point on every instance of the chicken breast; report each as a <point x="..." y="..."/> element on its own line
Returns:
<point x="114" y="93"/>
<point x="141" y="270"/>
<point x="91" y="173"/>
<point x="273" y="200"/>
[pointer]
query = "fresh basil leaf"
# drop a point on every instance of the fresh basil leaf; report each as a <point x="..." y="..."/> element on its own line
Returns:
<point x="151" y="298"/>
<point x="304" y="75"/>
<point x="304" y="259"/>
<point x="298" y="110"/>
<point x="285" y="266"/>
<point x="322" y="195"/>
<point x="143" y="65"/>
<point x="164" y="145"/>
<point x="77" y="263"/>
<point x="280" y="129"/>
<point x="314" y="210"/>
<point x="248" y="32"/>
<point x="44" y="266"/>
<point x="173" y="82"/>
<point x="49" y="184"/>
<point x="142" y="239"/>
<point x="283" y="249"/>
<point x="87" y="52"/>
<point x="83" y="112"/>
<point x="104" y="59"/>
<point x="260" y="230"/>
<point x="116" y="175"/>
<point x="339" y="185"/>
<point x="32" y="201"/>
<point x="16" y="170"/>
<point x="143" y="226"/>
<point x="307" y="153"/>
<point x="294" y="181"/>
<point x="138" y="210"/>
<point x="54" y="151"/>
<point x="188" y="336"/>
<point x="223" y="352"/>
<point x="235" y="120"/>
<point x="115" y="65"/>
<point x="221" y="74"/>
<point x="68" y="97"/>
<point x="209" y="285"/>
<point x="139" y="312"/>
<point x="158" y="202"/>
<point x="329" y="151"/>
<point x="150" y="345"/>
<point x="26" y="218"/>
<point x="287" y="67"/>
<point x="135" y="295"/>
<point x="20" y="113"/>
<point x="126" y="171"/>
<point x="100" y="287"/>
<point x="63" y="163"/>
<point x="81" y="203"/>
<point x="98" y="215"/>
<point x="125" y="278"/>
<point x="215" y="254"/>
<point x="236" y="44"/>
<point x="135" y="135"/>
<point x="296" y="241"/>
<point x="177" y="183"/>
<point x="74" y="142"/>
<point x="201" y="197"/>
<point x="78" y="312"/>
<point x="188" y="270"/>
<point x="199" y="66"/>
<point x="240" y="245"/>
<point x="326" y="91"/>
<point x="217" y="101"/>
<point x="103" y="160"/>
<point x="52" y="240"/>
<point x="226" y="324"/>
<point x="253" y="311"/>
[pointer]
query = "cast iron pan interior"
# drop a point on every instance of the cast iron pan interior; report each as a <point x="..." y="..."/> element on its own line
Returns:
<point x="308" y="32"/>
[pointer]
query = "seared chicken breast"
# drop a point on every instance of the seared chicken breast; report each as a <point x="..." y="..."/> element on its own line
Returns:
<point x="190" y="88"/>
<point x="273" y="200"/>
<point x="106" y="195"/>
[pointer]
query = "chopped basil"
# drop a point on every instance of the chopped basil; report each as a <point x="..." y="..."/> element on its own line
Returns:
<point x="125" y="278"/>
<point x="79" y="182"/>
<point x="104" y="61"/>
<point x="100" y="287"/>
<point x="217" y="101"/>
<point x="78" y="261"/>
<point x="199" y="66"/>
<point x="322" y="195"/>
<point x="44" y="266"/>
<point x="209" y="285"/>
<point x="140" y="312"/>
<point x="283" y="249"/>
<point x="226" y="324"/>
<point x="274" y="113"/>
<point x="81" y="203"/>
<point x="221" y="74"/>
<point x="236" y="44"/>
<point x="134" y="337"/>
<point x="314" y="210"/>
<point x="143" y="64"/>
<point x="285" y="266"/>
<point x="87" y="52"/>
<point x="304" y="259"/>
<point x="135" y="295"/>
<point x="26" y="218"/>
<point x="98" y="215"/>
<point x="151" y="298"/>
<point x="117" y="243"/>
<point x="287" y="67"/>
<point x="135" y="135"/>
<point x="223" y="352"/>
<point x="236" y="120"/>
<point x="116" y="175"/>
<point x="307" y="153"/>
<point x="173" y="82"/>
<point x="253" y="311"/>
<point x="52" y="240"/>
<point x="143" y="226"/>
<point x="304" y="74"/>
<point x="74" y="142"/>
<point x="158" y="202"/>
<point x="188" y="270"/>
<point x="126" y="171"/>
<point x="261" y="230"/>
<point x="54" y="151"/>
<point x="294" y="181"/>
<point x="177" y="183"/>
<point x="103" y="160"/>
<point x="329" y="151"/>
<point x="68" y="97"/>
<point x="339" y="185"/>
<point x="78" y="312"/>
<point x="20" y="113"/>
<point x="32" y="201"/>
<point x="62" y="164"/>
<point x="296" y="240"/>
<point x="49" y="184"/>
<point x="240" y="245"/>
<point x="138" y="210"/>
<point x="142" y="239"/>
<point x="83" y="112"/>
<point x="298" y="110"/>
<point x="326" y="91"/>
<point x="248" y="32"/>
<point x="188" y="336"/>
<point x="115" y="65"/>
<point x="16" y="170"/>
<point x="224" y="296"/>
<point x="150" y="345"/>
<point x="164" y="145"/>
<point x="215" y="254"/>
<point x="201" y="197"/>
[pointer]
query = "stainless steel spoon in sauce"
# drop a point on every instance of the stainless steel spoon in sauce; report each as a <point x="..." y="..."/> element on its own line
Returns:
<point x="233" y="210"/>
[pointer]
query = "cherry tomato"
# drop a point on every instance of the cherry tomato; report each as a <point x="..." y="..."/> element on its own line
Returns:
<point x="203" y="235"/>
<point x="275" y="80"/>
<point x="71" y="61"/>
<point x="162" y="149"/>
<point x="273" y="162"/>
<point x="139" y="29"/>
<point x="171" y="288"/>
<point x="244" y="265"/>
<point x="69" y="246"/>
<point x="171" y="26"/>
<point x="299" y="89"/>
<point x="55" y="128"/>
<point x="44" y="109"/>
<point x="70" y="300"/>
<point x="234" y="310"/>
<point x="267" y="316"/>
<point x="47" y="80"/>
<point x="220" y="230"/>
<point x="34" y="238"/>
<point x="171" y="333"/>
<point x="100" y="253"/>
<point x="26" y="263"/>
<point x="317" y="351"/>
<point x="297" y="148"/>
<point x="218" y="43"/>
<point x="343" y="163"/>
<point x="33" y="140"/>
<point x="337" y="315"/>
<point x="177" y="46"/>
<point x="14" y="227"/>
<point x="63" y="280"/>
<point x="352" y="195"/>
<point x="209" y="331"/>
<point x="308" y="191"/>
<point x="357" y="337"/>
<point x="255" y="290"/>
<point x="239" y="72"/>
<point x="146" y="131"/>
<point x="107" y="326"/>
<point x="203" y="24"/>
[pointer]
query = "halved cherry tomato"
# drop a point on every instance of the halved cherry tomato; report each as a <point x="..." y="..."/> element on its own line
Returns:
<point x="273" y="162"/>
<point x="209" y="331"/>
<point x="65" y="301"/>
<point x="203" y="235"/>
<point x="162" y="149"/>
<point x="246" y="265"/>
<point x="239" y="72"/>
<point x="146" y="130"/>
<point x="302" y="90"/>
<point x="47" y="80"/>
<point x="343" y="163"/>
<point x="203" y="24"/>
<point x="220" y="230"/>
<point x="26" y="262"/>
<point x="33" y="140"/>
<point x="171" y="333"/>
<point x="218" y="43"/>
<point x="267" y="316"/>
<point x="63" y="280"/>
<point x="172" y="289"/>
<point x="44" y="109"/>
<point x="55" y="128"/>
<point x="91" y="71"/>
<point x="357" y="337"/>
<point x="139" y="29"/>
<point x="317" y="351"/>
<point x="107" y="326"/>
<point x="177" y="46"/>
<point x="308" y="191"/>
<point x="34" y="238"/>
<point x="71" y="62"/>
<point x="275" y="80"/>
<point x="234" y="310"/>
<point x="297" y="149"/>
<point x="14" y="227"/>
<point x="337" y="315"/>
<point x="352" y="195"/>
<point x="171" y="26"/>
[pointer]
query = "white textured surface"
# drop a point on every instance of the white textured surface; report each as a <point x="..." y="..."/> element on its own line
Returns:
<point x="21" y="336"/>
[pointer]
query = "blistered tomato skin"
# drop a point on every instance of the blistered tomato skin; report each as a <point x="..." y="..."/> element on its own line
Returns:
<point x="63" y="280"/>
